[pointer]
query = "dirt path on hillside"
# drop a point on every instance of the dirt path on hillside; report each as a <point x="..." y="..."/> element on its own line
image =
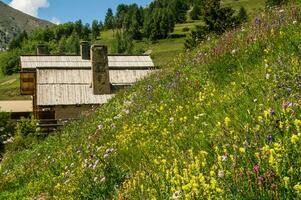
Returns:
<point x="8" y="82"/>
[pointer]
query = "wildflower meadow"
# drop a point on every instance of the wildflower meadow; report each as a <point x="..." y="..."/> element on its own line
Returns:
<point x="220" y="122"/>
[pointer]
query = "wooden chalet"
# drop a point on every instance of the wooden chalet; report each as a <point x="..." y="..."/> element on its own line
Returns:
<point x="63" y="87"/>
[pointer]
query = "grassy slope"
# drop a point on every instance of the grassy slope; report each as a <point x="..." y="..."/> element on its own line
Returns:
<point x="163" y="52"/>
<point x="10" y="88"/>
<point x="220" y="125"/>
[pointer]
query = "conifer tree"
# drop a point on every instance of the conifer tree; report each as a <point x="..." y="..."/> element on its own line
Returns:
<point x="109" y="19"/>
<point x="271" y="3"/>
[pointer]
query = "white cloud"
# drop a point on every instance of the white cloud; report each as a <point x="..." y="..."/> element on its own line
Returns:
<point x="30" y="7"/>
<point x="55" y="20"/>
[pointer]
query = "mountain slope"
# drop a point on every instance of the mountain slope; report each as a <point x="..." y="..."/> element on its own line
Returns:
<point x="13" y="22"/>
<point x="222" y="122"/>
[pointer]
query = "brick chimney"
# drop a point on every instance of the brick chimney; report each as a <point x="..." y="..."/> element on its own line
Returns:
<point x="85" y="50"/>
<point x="100" y="70"/>
<point x="42" y="50"/>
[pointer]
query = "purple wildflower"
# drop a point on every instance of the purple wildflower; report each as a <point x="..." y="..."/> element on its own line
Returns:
<point x="287" y="104"/>
<point x="257" y="21"/>
<point x="109" y="150"/>
<point x="256" y="169"/>
<point x="270" y="138"/>
<point x="260" y="180"/>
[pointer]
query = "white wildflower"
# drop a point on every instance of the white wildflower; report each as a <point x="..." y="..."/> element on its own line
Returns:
<point x="221" y="174"/>
<point x="176" y="195"/>
<point x="267" y="76"/>
<point x="224" y="157"/>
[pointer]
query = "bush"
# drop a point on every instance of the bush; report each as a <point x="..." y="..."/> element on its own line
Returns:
<point x="176" y="36"/>
<point x="271" y="3"/>
<point x="242" y="15"/>
<point x="7" y="128"/>
<point x="10" y="62"/>
<point x="185" y="29"/>
<point x="195" y="13"/>
<point x="196" y="36"/>
<point x="26" y="134"/>
<point x="123" y="43"/>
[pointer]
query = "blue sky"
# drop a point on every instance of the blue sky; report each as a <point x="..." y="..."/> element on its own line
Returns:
<point x="60" y="11"/>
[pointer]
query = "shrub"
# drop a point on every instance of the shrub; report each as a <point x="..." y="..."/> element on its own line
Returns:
<point x="271" y="3"/>
<point x="6" y="129"/>
<point x="242" y="15"/>
<point x="185" y="29"/>
<point x="196" y="36"/>
<point x="26" y="134"/>
<point x="123" y="43"/>
<point x="10" y="62"/>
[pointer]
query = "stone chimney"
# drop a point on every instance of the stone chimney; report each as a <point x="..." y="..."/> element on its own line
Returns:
<point x="85" y="50"/>
<point x="100" y="70"/>
<point x="42" y="50"/>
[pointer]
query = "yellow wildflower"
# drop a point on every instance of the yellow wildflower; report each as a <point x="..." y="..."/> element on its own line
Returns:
<point x="286" y="180"/>
<point x="294" y="139"/>
<point x="297" y="188"/>
<point x="242" y="150"/>
<point x="227" y="120"/>
<point x="260" y="118"/>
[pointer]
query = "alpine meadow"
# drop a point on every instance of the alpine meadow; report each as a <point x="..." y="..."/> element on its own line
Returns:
<point x="219" y="119"/>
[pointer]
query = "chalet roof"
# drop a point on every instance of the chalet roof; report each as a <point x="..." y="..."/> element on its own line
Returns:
<point x="67" y="80"/>
<point x="84" y="76"/>
<point x="115" y="61"/>
<point x="68" y="94"/>
<point x="74" y="86"/>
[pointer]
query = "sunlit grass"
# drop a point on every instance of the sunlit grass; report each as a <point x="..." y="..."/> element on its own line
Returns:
<point x="221" y="122"/>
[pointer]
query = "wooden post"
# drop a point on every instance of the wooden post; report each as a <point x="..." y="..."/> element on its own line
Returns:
<point x="85" y="50"/>
<point x="42" y="50"/>
<point x="100" y="70"/>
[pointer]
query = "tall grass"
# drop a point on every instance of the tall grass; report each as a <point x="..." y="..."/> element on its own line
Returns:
<point x="221" y="122"/>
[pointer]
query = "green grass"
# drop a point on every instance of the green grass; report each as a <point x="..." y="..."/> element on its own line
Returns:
<point x="252" y="6"/>
<point x="10" y="88"/>
<point x="163" y="51"/>
<point x="220" y="125"/>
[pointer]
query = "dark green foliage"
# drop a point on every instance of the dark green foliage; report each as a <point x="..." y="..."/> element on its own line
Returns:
<point x="10" y="62"/>
<point x="78" y="27"/>
<point x="109" y="20"/>
<point x="72" y="44"/>
<point x="123" y="42"/>
<point x="179" y="8"/>
<point x="132" y="22"/>
<point x="96" y="27"/>
<point x="17" y="42"/>
<point x="63" y="38"/>
<point x="158" y="23"/>
<point x="121" y="12"/>
<point x="185" y="29"/>
<point x="219" y="19"/>
<point x="26" y="134"/>
<point x="195" y="13"/>
<point x="6" y="129"/>
<point x="271" y="3"/>
<point x="196" y="36"/>
<point x="242" y="15"/>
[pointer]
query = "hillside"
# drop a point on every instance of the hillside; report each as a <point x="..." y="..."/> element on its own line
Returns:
<point x="221" y="122"/>
<point x="13" y="22"/>
<point x="163" y="51"/>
